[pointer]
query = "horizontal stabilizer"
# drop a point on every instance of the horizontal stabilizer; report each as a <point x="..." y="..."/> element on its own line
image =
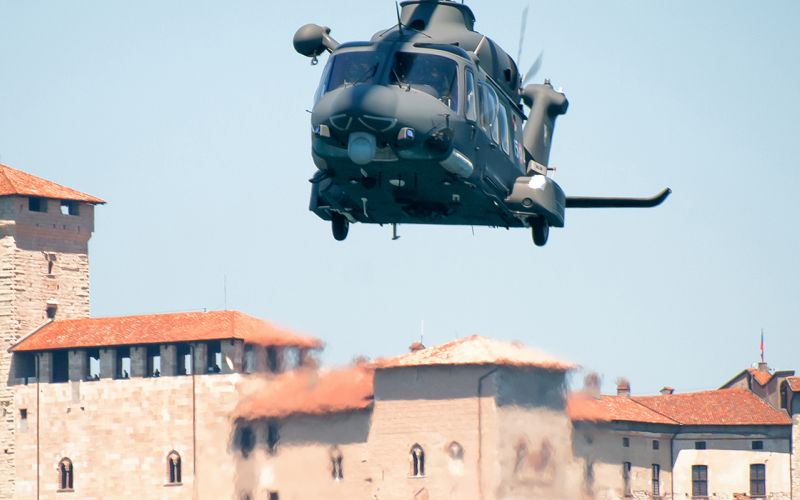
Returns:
<point x="590" y="202"/>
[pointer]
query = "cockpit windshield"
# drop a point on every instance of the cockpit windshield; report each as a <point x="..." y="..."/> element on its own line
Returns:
<point x="352" y="68"/>
<point x="434" y="75"/>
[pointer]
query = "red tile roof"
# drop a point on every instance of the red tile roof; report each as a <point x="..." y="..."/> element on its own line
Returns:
<point x="762" y="378"/>
<point x="794" y="383"/>
<point x="719" y="407"/>
<point x="16" y="182"/>
<point x="477" y="350"/>
<point x="160" y="328"/>
<point x="585" y="408"/>
<point x="309" y="392"/>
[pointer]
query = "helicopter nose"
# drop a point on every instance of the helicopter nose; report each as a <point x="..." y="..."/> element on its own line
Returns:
<point x="373" y="106"/>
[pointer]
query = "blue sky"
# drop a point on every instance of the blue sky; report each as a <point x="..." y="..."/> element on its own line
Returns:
<point x="189" y="119"/>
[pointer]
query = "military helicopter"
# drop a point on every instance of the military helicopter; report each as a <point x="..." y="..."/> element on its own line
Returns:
<point x="424" y="124"/>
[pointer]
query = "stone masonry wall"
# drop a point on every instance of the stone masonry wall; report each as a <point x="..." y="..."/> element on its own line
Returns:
<point x="795" y="467"/>
<point x="118" y="433"/>
<point x="43" y="258"/>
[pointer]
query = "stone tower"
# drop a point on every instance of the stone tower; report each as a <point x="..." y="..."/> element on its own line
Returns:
<point x="44" y="274"/>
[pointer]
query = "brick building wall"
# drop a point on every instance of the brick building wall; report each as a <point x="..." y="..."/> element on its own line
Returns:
<point x="43" y="259"/>
<point x="118" y="433"/>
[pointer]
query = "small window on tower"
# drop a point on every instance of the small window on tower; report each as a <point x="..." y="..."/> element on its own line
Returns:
<point x="23" y="419"/>
<point x="758" y="445"/>
<point x="51" y="311"/>
<point x="36" y="204"/>
<point x="69" y="207"/>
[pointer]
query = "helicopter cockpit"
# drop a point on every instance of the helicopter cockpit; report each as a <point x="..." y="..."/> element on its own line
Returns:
<point x="435" y="75"/>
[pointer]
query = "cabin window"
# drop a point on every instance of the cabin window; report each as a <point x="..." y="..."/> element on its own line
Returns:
<point x="66" y="475"/>
<point x="519" y="144"/>
<point x="489" y="103"/>
<point x="471" y="100"/>
<point x="323" y="81"/>
<point x="699" y="480"/>
<point x="153" y="361"/>
<point x="758" y="480"/>
<point x="36" y="204"/>
<point x="656" y="480"/>
<point x="434" y="75"/>
<point x="352" y="68"/>
<point x="173" y="468"/>
<point x="417" y="458"/>
<point x="69" y="207"/>
<point x="502" y="129"/>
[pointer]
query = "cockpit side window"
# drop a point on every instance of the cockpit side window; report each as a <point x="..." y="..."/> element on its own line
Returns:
<point x="434" y="75"/>
<point x="352" y="68"/>
<point x="519" y="148"/>
<point x="471" y="100"/>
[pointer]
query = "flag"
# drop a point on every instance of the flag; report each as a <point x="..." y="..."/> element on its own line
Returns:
<point x="762" y="345"/>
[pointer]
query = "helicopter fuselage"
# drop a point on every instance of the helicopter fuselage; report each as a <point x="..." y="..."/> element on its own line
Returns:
<point x="407" y="132"/>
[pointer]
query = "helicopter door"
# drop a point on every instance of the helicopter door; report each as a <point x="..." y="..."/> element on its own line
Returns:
<point x="494" y="124"/>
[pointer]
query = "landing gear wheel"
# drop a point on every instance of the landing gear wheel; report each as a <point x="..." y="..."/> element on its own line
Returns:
<point x="339" y="226"/>
<point x="539" y="230"/>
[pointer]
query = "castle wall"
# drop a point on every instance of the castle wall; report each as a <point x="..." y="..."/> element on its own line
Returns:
<point x="795" y="465"/>
<point x="301" y="467"/>
<point x="43" y="259"/>
<point x="118" y="433"/>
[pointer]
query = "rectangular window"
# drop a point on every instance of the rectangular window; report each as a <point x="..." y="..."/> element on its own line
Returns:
<point x="699" y="481"/>
<point x="36" y="204"/>
<point x="656" y="480"/>
<point x="626" y="478"/>
<point x="69" y="207"/>
<point x="273" y="495"/>
<point x="60" y="366"/>
<point x="249" y="359"/>
<point x="656" y="444"/>
<point x="153" y="361"/>
<point x="273" y="364"/>
<point x="24" y="366"/>
<point x="23" y="419"/>
<point x="214" y="356"/>
<point x="92" y="364"/>
<point x="758" y="445"/>
<point x="184" y="359"/>
<point x="626" y="442"/>
<point x="758" y="480"/>
<point x="123" y="362"/>
<point x="272" y="437"/>
<point x="699" y="445"/>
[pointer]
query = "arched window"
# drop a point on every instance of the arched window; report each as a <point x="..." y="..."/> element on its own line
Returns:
<point x="455" y="451"/>
<point x="173" y="468"/>
<point x="417" y="457"/>
<point x="66" y="474"/>
<point x="336" y="464"/>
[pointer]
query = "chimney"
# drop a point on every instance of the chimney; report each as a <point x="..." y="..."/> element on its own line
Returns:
<point x="416" y="346"/>
<point x="591" y="385"/>
<point x="763" y="367"/>
<point x="666" y="390"/>
<point x="623" y="387"/>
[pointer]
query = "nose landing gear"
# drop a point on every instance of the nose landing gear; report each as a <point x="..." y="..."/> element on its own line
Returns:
<point x="339" y="226"/>
<point x="540" y="230"/>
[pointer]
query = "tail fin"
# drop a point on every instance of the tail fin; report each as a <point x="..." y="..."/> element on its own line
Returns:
<point x="546" y="105"/>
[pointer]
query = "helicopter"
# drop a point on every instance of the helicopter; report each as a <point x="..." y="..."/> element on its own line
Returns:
<point x="425" y="124"/>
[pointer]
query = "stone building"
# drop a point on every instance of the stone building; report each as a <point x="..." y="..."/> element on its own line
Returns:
<point x="44" y="273"/>
<point x="473" y="418"/>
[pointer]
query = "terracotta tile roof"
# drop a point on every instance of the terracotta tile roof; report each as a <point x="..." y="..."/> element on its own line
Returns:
<point x="794" y="383"/>
<point x="762" y="378"/>
<point x="17" y="182"/>
<point x="160" y="328"/>
<point x="581" y="407"/>
<point x="309" y="392"/>
<point x="477" y="350"/>
<point x="719" y="407"/>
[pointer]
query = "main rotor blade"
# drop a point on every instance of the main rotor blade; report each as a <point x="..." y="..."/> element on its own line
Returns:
<point x="589" y="202"/>
<point x="522" y="33"/>
<point x="537" y="64"/>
